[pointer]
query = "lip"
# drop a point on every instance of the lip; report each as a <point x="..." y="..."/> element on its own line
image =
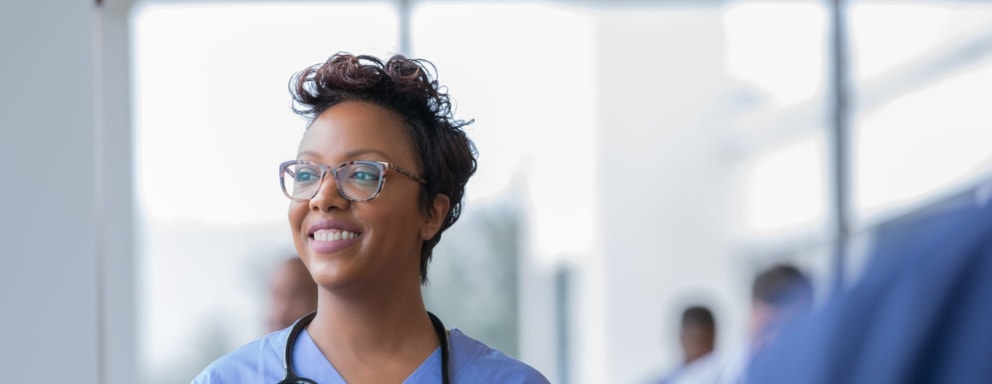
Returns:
<point x="331" y="246"/>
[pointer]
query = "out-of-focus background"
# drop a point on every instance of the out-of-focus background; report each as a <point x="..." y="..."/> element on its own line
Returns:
<point x="636" y="157"/>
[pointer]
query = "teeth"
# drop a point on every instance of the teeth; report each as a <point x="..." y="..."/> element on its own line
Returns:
<point x="333" y="235"/>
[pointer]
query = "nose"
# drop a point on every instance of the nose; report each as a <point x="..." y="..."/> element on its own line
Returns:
<point x="328" y="197"/>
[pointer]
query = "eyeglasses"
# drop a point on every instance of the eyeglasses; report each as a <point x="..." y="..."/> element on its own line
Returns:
<point x="358" y="181"/>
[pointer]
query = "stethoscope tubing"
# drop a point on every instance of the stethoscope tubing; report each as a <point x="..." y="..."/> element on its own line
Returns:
<point x="301" y="324"/>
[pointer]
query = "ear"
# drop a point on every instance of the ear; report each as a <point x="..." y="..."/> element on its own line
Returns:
<point x="432" y="222"/>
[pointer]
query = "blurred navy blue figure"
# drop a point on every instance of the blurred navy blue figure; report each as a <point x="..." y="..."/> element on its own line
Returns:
<point x="921" y="313"/>
<point x="779" y="295"/>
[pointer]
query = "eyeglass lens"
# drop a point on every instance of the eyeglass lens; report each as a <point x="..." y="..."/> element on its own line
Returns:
<point x="356" y="181"/>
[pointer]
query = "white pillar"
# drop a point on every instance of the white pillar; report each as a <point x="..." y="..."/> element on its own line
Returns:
<point x="661" y="194"/>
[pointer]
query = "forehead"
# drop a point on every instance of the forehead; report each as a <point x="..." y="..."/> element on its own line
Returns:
<point x="353" y="129"/>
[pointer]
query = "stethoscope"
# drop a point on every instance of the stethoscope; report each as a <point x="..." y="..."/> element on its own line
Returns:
<point x="292" y="378"/>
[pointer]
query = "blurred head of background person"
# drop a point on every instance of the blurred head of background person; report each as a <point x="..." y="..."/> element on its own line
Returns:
<point x="778" y="295"/>
<point x="292" y="294"/>
<point x="698" y="333"/>
<point x="697" y="337"/>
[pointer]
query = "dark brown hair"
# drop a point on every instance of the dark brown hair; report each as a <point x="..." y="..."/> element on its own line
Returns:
<point x="782" y="286"/>
<point x="408" y="87"/>
<point x="698" y="316"/>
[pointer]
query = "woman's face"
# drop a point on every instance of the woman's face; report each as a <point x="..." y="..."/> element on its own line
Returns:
<point x="384" y="235"/>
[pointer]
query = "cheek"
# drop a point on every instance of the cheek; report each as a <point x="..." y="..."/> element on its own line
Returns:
<point x="398" y="220"/>
<point x="406" y="208"/>
<point x="297" y="211"/>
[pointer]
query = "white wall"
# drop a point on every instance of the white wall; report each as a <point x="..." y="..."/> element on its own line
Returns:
<point x="658" y="208"/>
<point x="663" y="182"/>
<point x="64" y="235"/>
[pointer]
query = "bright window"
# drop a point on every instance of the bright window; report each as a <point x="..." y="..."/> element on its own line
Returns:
<point x="212" y="123"/>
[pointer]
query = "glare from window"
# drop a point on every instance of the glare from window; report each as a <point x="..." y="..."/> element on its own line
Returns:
<point x="784" y="190"/>
<point x="922" y="126"/>
<point x="778" y="47"/>
<point x="212" y="100"/>
<point x="886" y="35"/>
<point x="526" y="86"/>
<point x="925" y="144"/>
<point x="212" y="123"/>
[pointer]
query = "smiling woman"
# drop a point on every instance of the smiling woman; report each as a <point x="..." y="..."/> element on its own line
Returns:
<point x="389" y="228"/>
<point x="366" y="236"/>
<point x="202" y="256"/>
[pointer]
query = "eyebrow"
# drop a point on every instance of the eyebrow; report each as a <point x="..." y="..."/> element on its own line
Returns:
<point x="349" y="154"/>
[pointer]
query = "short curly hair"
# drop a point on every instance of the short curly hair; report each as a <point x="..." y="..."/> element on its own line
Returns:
<point x="410" y="88"/>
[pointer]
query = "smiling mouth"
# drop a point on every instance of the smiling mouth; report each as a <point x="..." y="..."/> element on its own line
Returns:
<point x="333" y="235"/>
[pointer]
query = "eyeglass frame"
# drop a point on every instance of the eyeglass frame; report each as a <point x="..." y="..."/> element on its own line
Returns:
<point x="325" y="169"/>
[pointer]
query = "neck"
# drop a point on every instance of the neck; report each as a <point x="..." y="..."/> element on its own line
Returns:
<point x="353" y="330"/>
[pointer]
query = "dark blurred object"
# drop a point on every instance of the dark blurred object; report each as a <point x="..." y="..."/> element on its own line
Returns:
<point x="292" y="294"/>
<point x="698" y="333"/>
<point x="697" y="337"/>
<point x="921" y="313"/>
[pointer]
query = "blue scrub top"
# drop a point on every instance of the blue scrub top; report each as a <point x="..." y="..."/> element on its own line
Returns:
<point x="261" y="361"/>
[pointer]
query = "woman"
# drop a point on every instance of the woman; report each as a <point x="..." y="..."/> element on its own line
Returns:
<point x="379" y="175"/>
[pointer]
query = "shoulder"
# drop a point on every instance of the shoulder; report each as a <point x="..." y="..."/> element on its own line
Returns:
<point x="260" y="361"/>
<point x="706" y="369"/>
<point x="733" y="364"/>
<point x="474" y="362"/>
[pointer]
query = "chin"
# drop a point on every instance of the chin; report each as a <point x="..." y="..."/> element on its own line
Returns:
<point x="329" y="275"/>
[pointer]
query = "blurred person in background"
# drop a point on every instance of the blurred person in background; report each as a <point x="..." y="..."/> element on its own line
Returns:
<point x="920" y="313"/>
<point x="379" y="175"/>
<point x="292" y="294"/>
<point x="779" y="295"/>
<point x="697" y="338"/>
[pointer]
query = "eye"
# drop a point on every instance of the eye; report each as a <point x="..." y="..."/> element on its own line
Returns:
<point x="364" y="174"/>
<point x="307" y="175"/>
